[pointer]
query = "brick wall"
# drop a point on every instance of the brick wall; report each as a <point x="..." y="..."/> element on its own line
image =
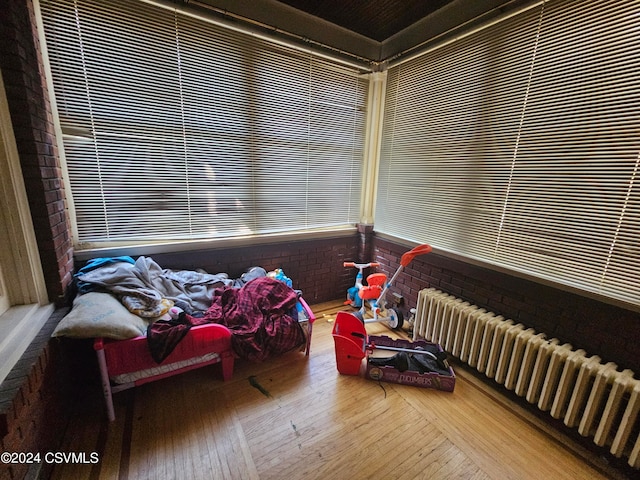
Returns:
<point x="33" y="396"/>
<point x="601" y="329"/>
<point x="315" y="266"/>
<point x="34" y="403"/>
<point x="23" y="75"/>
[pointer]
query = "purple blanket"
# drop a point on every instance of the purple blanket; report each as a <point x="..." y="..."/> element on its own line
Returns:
<point x="258" y="315"/>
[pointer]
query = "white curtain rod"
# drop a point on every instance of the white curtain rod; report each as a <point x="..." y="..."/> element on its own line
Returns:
<point x="354" y="62"/>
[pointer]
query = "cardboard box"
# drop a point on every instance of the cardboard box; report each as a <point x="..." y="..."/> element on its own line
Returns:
<point x="439" y="381"/>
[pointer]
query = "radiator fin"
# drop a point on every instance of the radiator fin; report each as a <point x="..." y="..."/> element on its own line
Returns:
<point x="596" y="398"/>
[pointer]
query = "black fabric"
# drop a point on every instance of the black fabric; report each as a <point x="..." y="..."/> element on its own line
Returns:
<point x="416" y="362"/>
<point x="426" y="363"/>
<point x="164" y="335"/>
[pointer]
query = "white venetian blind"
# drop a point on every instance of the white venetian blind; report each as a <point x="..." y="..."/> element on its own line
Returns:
<point x="519" y="145"/>
<point x="175" y="128"/>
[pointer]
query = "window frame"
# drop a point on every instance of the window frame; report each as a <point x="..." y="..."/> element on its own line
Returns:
<point x="471" y="155"/>
<point x="301" y="182"/>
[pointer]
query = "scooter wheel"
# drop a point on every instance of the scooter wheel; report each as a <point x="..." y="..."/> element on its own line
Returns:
<point x="396" y="319"/>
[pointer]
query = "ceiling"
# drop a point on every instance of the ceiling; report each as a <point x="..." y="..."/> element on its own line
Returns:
<point x="371" y="31"/>
<point x="375" y="19"/>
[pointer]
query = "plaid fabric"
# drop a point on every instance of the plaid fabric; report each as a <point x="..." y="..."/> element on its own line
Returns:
<point x="259" y="317"/>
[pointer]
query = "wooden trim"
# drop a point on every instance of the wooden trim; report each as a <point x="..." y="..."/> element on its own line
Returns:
<point x="20" y="261"/>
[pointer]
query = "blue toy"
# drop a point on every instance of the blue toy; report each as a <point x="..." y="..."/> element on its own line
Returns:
<point x="353" y="299"/>
<point x="279" y="275"/>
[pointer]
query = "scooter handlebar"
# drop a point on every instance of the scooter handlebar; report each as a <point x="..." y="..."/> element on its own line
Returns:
<point x="361" y="265"/>
<point x="408" y="257"/>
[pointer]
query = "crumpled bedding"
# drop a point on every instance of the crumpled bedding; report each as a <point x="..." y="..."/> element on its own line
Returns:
<point x="259" y="310"/>
<point x="143" y="286"/>
<point x="258" y="315"/>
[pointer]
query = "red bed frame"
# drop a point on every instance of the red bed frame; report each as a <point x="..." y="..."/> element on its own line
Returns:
<point x="202" y="345"/>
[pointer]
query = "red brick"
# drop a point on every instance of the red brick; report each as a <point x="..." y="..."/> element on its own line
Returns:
<point x="20" y="61"/>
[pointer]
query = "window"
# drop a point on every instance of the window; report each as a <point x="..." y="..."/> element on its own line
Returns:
<point x="24" y="306"/>
<point x="519" y="146"/>
<point x="175" y="128"/>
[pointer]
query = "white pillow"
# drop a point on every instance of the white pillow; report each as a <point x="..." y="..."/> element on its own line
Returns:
<point x="97" y="314"/>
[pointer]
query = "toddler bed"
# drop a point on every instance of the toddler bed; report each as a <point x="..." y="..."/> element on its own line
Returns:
<point x="255" y="318"/>
<point x="128" y="363"/>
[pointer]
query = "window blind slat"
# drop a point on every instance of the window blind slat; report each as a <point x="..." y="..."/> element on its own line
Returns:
<point x="175" y="128"/>
<point x="518" y="146"/>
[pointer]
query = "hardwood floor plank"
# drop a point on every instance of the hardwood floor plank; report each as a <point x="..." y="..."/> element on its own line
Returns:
<point x="469" y="420"/>
<point x="118" y="438"/>
<point x="313" y="423"/>
<point x="86" y="424"/>
<point x="229" y="454"/>
<point x="403" y="458"/>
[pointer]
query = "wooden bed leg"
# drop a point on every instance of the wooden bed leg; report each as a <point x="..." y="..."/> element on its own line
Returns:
<point x="106" y="385"/>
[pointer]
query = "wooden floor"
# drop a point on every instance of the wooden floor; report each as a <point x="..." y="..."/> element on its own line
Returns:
<point x="312" y="423"/>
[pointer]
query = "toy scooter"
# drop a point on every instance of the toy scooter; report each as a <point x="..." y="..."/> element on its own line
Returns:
<point x="373" y="294"/>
